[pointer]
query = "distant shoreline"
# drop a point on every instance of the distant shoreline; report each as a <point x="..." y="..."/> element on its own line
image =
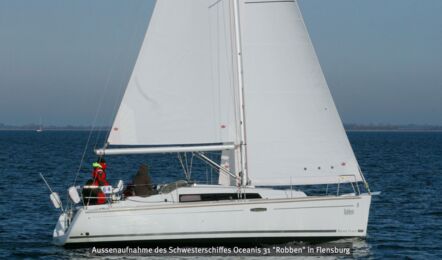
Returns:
<point x="393" y="130"/>
<point x="348" y="128"/>
<point x="49" y="129"/>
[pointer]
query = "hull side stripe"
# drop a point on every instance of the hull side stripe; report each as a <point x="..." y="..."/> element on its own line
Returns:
<point x="198" y="205"/>
<point x="214" y="232"/>
<point x="321" y="207"/>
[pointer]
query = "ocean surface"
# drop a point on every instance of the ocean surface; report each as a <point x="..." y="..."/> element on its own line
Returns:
<point x="405" y="220"/>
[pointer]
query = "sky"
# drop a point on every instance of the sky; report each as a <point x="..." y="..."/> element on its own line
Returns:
<point x="64" y="60"/>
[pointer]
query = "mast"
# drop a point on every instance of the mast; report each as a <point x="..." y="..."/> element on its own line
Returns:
<point x="242" y="123"/>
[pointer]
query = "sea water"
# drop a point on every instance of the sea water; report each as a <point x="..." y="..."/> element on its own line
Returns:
<point x="405" y="220"/>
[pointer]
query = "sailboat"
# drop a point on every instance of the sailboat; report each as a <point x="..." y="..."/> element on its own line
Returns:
<point x="40" y="127"/>
<point x="241" y="78"/>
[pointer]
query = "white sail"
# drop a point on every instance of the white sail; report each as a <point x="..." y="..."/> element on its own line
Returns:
<point x="184" y="90"/>
<point x="294" y="133"/>
<point x="181" y="89"/>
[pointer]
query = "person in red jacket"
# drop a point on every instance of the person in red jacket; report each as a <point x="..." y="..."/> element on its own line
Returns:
<point x="91" y="195"/>
<point x="99" y="173"/>
<point x="99" y="178"/>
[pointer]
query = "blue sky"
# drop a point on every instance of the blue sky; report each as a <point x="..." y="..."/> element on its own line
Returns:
<point x="58" y="58"/>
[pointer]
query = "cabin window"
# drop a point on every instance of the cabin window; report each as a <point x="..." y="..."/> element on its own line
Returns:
<point x="217" y="196"/>
<point x="190" y="197"/>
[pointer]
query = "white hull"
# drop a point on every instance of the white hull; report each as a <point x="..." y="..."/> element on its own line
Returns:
<point x="305" y="217"/>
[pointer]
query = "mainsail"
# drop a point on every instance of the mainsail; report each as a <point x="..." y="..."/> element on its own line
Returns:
<point x="184" y="90"/>
<point x="181" y="88"/>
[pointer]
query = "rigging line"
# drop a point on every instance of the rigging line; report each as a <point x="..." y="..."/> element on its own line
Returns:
<point x="218" y="68"/>
<point x="101" y="100"/>
<point x="211" y="168"/>
<point x="214" y="164"/>
<point x="212" y="62"/>
<point x="191" y="164"/>
<point x="182" y="165"/>
<point x="122" y="80"/>
<point x="97" y="112"/>
<point x="47" y="184"/>
<point x="212" y="5"/>
<point x="116" y="59"/>
<point x="106" y="87"/>
<point x="87" y="141"/>
<point x="82" y="157"/>
<point x="186" y="163"/>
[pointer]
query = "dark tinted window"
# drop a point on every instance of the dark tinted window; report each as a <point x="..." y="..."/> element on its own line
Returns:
<point x="217" y="196"/>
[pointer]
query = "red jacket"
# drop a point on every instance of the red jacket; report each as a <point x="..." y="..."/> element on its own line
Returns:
<point x="99" y="177"/>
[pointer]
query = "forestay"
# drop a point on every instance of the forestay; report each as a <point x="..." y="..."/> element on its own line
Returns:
<point x="294" y="133"/>
<point x="181" y="90"/>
